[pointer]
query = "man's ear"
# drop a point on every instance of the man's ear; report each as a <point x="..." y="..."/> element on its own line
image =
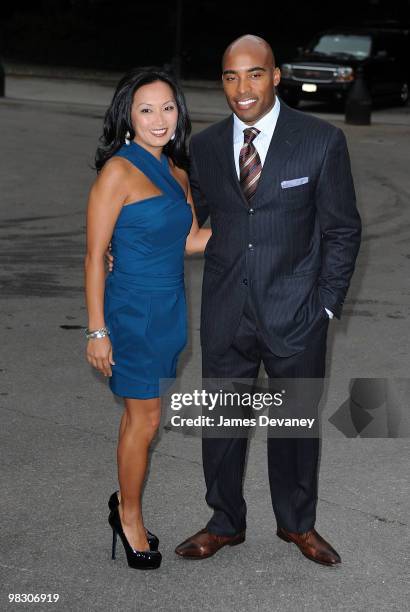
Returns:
<point x="276" y="76"/>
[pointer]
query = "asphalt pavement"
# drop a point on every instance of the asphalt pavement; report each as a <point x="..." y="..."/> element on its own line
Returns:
<point x="60" y="421"/>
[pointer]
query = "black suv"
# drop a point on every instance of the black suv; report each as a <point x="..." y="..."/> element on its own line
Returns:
<point x="326" y="69"/>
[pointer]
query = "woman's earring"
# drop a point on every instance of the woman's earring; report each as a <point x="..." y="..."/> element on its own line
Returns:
<point x="127" y="138"/>
<point x="173" y="137"/>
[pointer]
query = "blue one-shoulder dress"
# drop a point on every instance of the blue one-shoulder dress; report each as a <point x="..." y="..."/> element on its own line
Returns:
<point x="144" y="298"/>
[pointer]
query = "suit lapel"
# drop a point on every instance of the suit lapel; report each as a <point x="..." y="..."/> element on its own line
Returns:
<point x="225" y="154"/>
<point x="285" y="138"/>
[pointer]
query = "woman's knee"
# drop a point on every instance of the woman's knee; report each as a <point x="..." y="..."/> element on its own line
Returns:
<point x="143" y="416"/>
<point x="154" y="418"/>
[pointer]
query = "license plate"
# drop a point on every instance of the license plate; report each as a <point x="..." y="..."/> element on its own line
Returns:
<point x="310" y="87"/>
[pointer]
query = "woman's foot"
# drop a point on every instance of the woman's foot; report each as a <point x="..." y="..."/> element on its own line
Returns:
<point x="134" y="532"/>
<point x="113" y="504"/>
<point x="137" y="559"/>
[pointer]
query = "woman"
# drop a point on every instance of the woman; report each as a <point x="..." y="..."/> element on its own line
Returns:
<point x="141" y="203"/>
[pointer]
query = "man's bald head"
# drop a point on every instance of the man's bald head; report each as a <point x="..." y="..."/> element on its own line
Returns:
<point x="249" y="77"/>
<point x="250" y="44"/>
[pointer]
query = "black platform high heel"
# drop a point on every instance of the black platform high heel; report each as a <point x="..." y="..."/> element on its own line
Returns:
<point x="137" y="559"/>
<point x="153" y="541"/>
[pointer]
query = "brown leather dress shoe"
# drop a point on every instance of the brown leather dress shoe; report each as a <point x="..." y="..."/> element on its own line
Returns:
<point x="205" y="544"/>
<point x="312" y="545"/>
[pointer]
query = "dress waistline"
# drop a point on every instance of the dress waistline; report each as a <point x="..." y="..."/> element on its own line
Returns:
<point x="151" y="283"/>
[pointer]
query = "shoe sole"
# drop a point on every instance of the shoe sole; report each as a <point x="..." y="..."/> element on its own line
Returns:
<point x="286" y="539"/>
<point x="199" y="558"/>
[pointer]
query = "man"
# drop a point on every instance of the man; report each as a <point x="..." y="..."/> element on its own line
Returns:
<point x="277" y="186"/>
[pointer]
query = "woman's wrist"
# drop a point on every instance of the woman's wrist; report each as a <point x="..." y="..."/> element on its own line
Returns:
<point x="95" y="323"/>
<point x="100" y="332"/>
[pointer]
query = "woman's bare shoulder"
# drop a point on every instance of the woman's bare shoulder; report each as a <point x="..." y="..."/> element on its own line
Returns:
<point x="116" y="167"/>
<point x="112" y="179"/>
<point x="115" y="172"/>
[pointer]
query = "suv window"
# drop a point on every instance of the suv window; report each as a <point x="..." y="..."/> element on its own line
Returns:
<point x="353" y="45"/>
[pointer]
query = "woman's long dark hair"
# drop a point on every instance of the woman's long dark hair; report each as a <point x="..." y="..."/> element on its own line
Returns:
<point x="117" y="119"/>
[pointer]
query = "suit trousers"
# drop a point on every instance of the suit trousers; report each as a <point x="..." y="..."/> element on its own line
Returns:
<point x="292" y="461"/>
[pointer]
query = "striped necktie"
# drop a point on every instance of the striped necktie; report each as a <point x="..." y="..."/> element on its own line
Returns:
<point x="250" y="166"/>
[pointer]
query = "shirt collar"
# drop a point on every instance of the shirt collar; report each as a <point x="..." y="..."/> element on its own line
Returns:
<point x="266" y="124"/>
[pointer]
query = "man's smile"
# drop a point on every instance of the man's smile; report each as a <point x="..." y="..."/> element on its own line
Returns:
<point x="246" y="103"/>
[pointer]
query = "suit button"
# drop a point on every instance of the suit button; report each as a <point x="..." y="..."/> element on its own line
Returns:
<point x="251" y="211"/>
<point x="250" y="246"/>
<point x="245" y="281"/>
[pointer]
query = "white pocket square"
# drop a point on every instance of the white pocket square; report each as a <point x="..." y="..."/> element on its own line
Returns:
<point x="294" y="182"/>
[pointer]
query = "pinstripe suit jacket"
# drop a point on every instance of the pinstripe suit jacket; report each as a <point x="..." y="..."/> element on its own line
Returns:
<point x="294" y="250"/>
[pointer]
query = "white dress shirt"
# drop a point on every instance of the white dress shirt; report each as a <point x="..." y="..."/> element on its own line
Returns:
<point x="266" y="127"/>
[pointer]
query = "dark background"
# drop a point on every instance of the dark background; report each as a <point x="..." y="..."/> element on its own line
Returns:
<point x="116" y="35"/>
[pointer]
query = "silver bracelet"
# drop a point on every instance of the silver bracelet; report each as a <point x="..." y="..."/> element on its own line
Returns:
<point x="98" y="333"/>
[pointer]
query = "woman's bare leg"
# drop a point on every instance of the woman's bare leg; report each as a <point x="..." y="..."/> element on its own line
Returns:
<point x="123" y="423"/>
<point x="139" y="425"/>
<point x="122" y="429"/>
